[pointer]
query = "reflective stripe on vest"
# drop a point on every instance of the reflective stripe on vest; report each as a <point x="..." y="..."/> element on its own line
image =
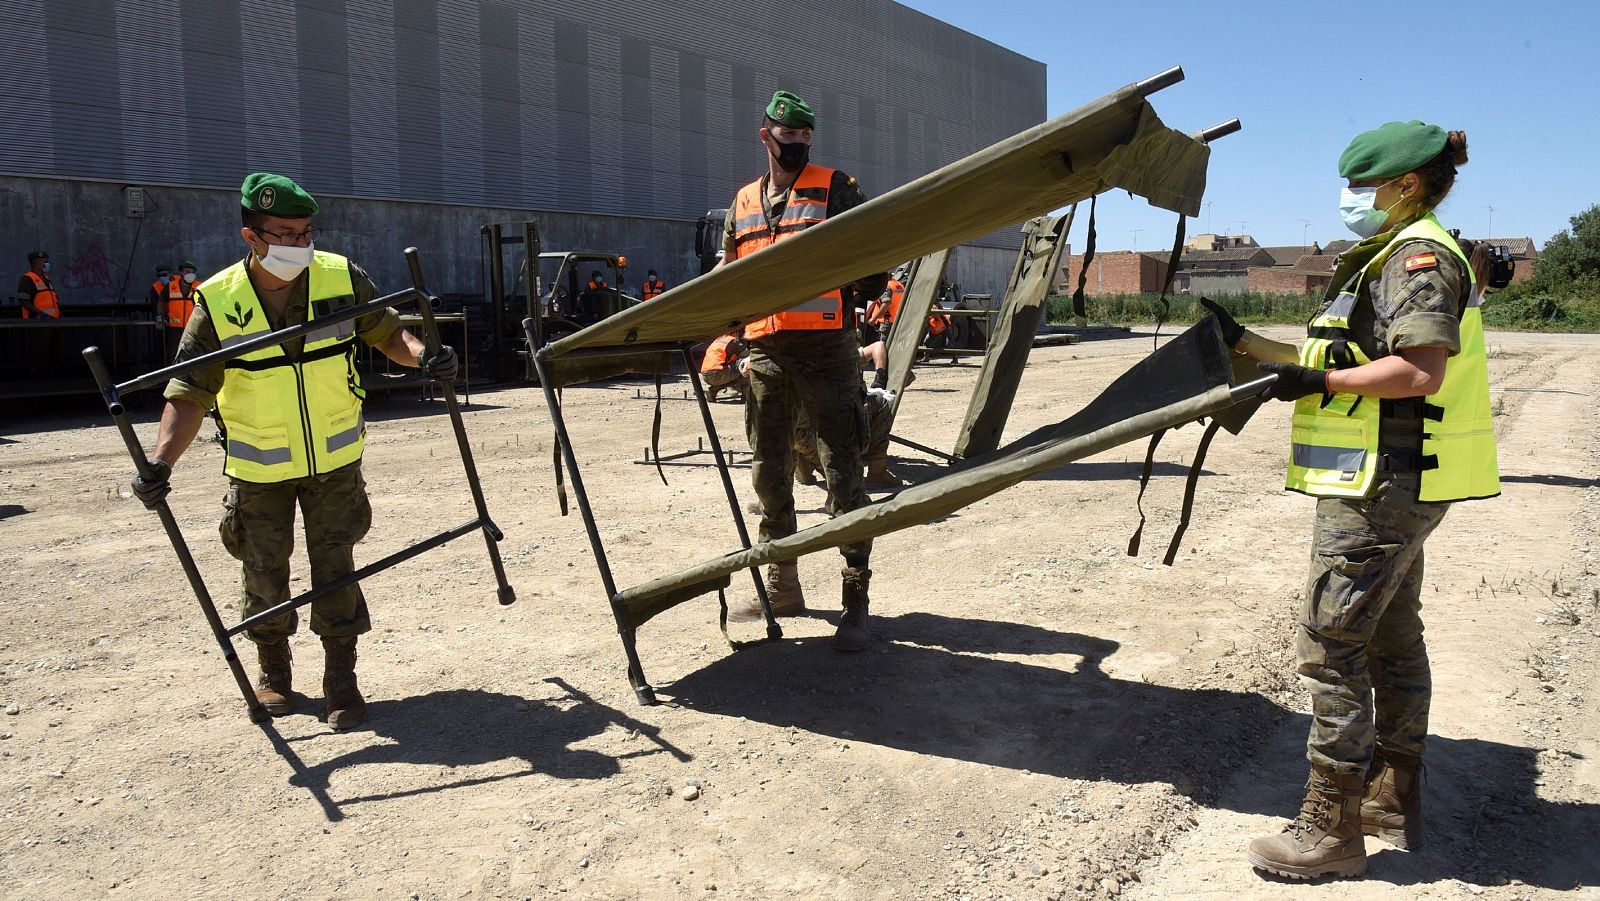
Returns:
<point x="287" y="419"/>
<point x="1335" y="445"/>
<point x="45" y="299"/>
<point x="654" y="288"/>
<point x="807" y="206"/>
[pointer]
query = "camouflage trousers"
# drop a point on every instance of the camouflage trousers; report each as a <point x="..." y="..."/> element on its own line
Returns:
<point x="817" y="373"/>
<point x="879" y="405"/>
<point x="1360" y="646"/>
<point x="258" y="529"/>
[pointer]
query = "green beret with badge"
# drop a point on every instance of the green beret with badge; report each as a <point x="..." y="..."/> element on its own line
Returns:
<point x="276" y="195"/>
<point x="1393" y="148"/>
<point x="788" y="110"/>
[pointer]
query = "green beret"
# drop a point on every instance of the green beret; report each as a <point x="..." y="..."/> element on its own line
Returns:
<point x="187" y="264"/>
<point x="787" y="109"/>
<point x="37" y="255"/>
<point x="275" y="195"/>
<point x="1393" y="148"/>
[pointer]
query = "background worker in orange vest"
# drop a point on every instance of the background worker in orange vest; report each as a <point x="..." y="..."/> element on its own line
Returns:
<point x="38" y="299"/>
<point x="180" y="295"/>
<point x="653" y="286"/>
<point x="36" y="294"/>
<point x="159" y="289"/>
<point x="881" y="314"/>
<point x="804" y="358"/>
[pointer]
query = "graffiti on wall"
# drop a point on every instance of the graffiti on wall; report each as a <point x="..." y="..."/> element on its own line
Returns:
<point x="92" y="270"/>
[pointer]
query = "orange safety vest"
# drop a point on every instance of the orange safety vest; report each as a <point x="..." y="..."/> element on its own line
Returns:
<point x="44" y="298"/>
<point x="717" y="355"/>
<point x="180" y="302"/>
<point x="752" y="230"/>
<point x="886" y="314"/>
<point x="595" y="286"/>
<point x="651" y="289"/>
<point x="938" y="324"/>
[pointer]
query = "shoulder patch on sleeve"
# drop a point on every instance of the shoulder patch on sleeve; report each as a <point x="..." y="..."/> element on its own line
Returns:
<point x="1418" y="261"/>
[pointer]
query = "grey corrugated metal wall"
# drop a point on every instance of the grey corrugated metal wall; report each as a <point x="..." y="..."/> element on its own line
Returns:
<point x="627" y="107"/>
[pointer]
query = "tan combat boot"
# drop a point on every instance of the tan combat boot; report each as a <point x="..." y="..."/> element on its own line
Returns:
<point x="346" y="708"/>
<point x="1392" y="808"/>
<point x="273" y="688"/>
<point x="783" y="592"/>
<point x="852" y="634"/>
<point x="1325" y="839"/>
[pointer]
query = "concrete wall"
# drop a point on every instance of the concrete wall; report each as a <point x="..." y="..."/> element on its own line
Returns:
<point x="1218" y="283"/>
<point x="95" y="248"/>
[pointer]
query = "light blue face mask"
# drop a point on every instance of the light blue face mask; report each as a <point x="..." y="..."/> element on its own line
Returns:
<point x="1356" y="208"/>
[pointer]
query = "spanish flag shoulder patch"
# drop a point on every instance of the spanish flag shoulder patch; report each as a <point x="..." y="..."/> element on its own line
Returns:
<point x="1421" y="261"/>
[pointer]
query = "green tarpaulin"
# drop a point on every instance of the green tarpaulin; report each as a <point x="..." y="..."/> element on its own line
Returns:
<point x="1116" y="142"/>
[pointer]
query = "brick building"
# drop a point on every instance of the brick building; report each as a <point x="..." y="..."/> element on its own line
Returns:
<point x="1119" y="272"/>
<point x="1216" y="272"/>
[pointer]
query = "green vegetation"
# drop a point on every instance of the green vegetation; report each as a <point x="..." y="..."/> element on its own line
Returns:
<point x="1127" y="309"/>
<point x="1562" y="296"/>
<point x="1564" y="293"/>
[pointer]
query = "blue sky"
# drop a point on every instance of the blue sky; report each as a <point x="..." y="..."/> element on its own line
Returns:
<point x="1521" y="78"/>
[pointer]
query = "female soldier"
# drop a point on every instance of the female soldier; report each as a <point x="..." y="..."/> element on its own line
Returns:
<point x="1385" y="434"/>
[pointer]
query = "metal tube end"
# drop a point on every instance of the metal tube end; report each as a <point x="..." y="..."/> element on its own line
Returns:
<point x="1159" y="81"/>
<point x="1221" y="130"/>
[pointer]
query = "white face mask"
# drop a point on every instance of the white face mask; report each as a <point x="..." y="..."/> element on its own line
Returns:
<point x="188" y="276"/>
<point x="287" y="262"/>
<point x="1356" y="208"/>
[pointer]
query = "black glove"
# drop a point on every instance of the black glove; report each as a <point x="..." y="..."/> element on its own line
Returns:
<point x="1294" y="381"/>
<point x="1232" y="331"/>
<point x="443" y="365"/>
<point x="152" y="490"/>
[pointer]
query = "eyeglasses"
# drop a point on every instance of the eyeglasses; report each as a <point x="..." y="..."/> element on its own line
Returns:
<point x="298" y="239"/>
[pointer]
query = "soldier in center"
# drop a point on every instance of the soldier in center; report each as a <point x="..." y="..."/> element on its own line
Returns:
<point x="804" y="358"/>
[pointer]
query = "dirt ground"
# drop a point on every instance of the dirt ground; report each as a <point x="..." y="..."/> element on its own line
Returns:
<point x="1041" y="716"/>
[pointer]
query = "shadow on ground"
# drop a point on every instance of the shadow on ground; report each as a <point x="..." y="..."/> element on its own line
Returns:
<point x="469" y="728"/>
<point x="930" y="689"/>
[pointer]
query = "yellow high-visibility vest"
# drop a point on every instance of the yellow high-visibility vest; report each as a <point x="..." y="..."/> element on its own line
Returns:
<point x="285" y="419"/>
<point x="1335" y="449"/>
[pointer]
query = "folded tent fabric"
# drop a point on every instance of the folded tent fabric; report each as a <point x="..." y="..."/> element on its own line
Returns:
<point x="1186" y="379"/>
<point x="1117" y="141"/>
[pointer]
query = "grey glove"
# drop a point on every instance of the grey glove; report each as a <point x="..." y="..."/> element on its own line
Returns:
<point x="1232" y="331"/>
<point x="153" y="490"/>
<point x="443" y="365"/>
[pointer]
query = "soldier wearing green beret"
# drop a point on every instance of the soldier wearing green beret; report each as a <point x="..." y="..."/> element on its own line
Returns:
<point x="806" y="358"/>
<point x="293" y="427"/>
<point x="1391" y="425"/>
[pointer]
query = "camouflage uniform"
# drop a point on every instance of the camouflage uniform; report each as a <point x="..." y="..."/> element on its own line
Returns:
<point x="879" y="404"/>
<point x="258" y="518"/>
<point x="1360" y="646"/>
<point x="819" y="373"/>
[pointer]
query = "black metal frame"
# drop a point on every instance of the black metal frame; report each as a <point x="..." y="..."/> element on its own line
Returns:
<point x="112" y="394"/>
<point x="628" y="632"/>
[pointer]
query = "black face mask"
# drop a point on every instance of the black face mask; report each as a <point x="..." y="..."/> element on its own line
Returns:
<point x="791" y="157"/>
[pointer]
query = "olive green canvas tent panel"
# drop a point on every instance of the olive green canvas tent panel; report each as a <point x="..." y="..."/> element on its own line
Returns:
<point x="1044" y="240"/>
<point x="1117" y="141"/>
<point x="911" y="322"/>
<point x="1188" y="378"/>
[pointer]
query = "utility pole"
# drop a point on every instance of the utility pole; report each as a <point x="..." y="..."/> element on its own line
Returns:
<point x="1490" y="208"/>
<point x="1136" y="239"/>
